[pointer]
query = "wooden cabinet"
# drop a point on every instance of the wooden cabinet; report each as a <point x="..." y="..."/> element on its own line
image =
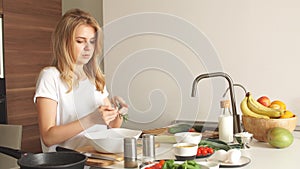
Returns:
<point x="28" y="25"/>
<point x="1" y="9"/>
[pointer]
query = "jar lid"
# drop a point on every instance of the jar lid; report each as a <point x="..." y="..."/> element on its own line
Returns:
<point x="225" y="103"/>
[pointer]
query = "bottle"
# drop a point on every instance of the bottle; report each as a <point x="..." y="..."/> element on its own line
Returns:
<point x="130" y="153"/>
<point x="225" y="122"/>
<point x="148" y="148"/>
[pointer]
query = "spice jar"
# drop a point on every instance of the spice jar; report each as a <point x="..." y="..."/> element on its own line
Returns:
<point x="130" y="153"/>
<point x="148" y="148"/>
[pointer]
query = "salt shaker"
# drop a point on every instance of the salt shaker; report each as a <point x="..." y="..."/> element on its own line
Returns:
<point x="148" y="148"/>
<point x="130" y="153"/>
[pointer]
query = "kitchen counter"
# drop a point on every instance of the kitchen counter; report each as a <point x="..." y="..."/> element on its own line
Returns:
<point x="262" y="155"/>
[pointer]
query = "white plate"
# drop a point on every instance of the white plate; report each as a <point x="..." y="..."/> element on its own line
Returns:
<point x="242" y="162"/>
<point x="176" y="162"/>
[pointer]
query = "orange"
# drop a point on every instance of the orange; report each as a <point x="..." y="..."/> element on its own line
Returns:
<point x="287" y="114"/>
<point x="277" y="104"/>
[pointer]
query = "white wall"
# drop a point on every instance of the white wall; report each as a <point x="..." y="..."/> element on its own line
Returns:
<point x="255" y="42"/>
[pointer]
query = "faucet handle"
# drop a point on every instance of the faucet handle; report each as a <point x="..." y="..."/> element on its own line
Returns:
<point x="238" y="85"/>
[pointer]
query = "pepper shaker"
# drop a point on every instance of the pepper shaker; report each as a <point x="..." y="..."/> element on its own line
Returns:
<point x="148" y="148"/>
<point x="130" y="153"/>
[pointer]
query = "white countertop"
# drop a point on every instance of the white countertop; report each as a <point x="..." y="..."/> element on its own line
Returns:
<point x="262" y="155"/>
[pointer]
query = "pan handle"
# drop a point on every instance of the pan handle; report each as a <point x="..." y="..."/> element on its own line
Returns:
<point x="59" y="148"/>
<point x="12" y="152"/>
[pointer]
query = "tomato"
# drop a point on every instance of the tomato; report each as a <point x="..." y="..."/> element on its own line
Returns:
<point x="204" y="151"/>
<point x="201" y="148"/>
<point x="210" y="150"/>
<point x="192" y="130"/>
<point x="162" y="162"/>
<point x="158" y="166"/>
<point x="199" y="152"/>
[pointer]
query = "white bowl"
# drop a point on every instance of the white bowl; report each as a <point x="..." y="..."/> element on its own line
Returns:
<point x="185" y="151"/>
<point x="243" y="138"/>
<point x="111" y="140"/>
<point x="188" y="137"/>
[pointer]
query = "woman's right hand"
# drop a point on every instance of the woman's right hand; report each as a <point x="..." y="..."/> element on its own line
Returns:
<point x="108" y="114"/>
<point x="104" y="114"/>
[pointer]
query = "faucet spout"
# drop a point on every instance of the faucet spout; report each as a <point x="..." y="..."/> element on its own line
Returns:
<point x="236" y="117"/>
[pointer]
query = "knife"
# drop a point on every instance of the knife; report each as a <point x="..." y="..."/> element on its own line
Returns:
<point x="89" y="155"/>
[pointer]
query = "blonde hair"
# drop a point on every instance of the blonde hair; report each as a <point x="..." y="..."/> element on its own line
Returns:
<point x="64" y="58"/>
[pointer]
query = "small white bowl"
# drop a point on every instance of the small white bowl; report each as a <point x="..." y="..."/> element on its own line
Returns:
<point x="111" y="140"/>
<point x="188" y="137"/>
<point x="244" y="139"/>
<point x="185" y="151"/>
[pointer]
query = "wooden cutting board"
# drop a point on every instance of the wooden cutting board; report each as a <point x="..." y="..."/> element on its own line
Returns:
<point x="101" y="163"/>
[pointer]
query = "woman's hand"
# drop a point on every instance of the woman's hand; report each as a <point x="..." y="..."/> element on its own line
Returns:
<point x="118" y="102"/>
<point x="111" y="117"/>
<point x="121" y="105"/>
<point x="108" y="114"/>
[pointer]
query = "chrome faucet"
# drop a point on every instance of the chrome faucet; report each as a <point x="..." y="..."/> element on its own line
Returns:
<point x="236" y="117"/>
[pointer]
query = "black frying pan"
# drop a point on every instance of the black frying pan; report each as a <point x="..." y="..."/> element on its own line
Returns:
<point x="49" y="160"/>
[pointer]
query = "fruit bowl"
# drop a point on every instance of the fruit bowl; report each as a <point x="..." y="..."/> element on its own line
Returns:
<point x="259" y="127"/>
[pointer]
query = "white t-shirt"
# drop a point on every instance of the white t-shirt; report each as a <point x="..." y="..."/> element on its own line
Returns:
<point x="82" y="100"/>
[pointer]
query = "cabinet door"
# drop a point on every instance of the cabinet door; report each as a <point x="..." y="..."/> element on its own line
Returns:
<point x="28" y="26"/>
<point x="1" y="6"/>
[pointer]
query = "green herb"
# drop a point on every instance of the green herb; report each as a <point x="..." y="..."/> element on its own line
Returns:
<point x="188" y="164"/>
<point x="124" y="116"/>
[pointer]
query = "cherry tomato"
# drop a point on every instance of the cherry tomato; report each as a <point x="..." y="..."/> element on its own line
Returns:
<point x="162" y="162"/>
<point x="192" y="130"/>
<point x="199" y="152"/>
<point x="158" y="166"/>
<point x="201" y="148"/>
<point x="210" y="150"/>
<point x="204" y="152"/>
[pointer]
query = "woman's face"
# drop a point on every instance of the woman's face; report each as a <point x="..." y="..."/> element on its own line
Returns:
<point x="84" y="44"/>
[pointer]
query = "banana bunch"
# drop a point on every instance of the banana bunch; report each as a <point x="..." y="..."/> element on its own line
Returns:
<point x="251" y="107"/>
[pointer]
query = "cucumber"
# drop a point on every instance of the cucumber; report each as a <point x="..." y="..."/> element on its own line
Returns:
<point x="215" y="144"/>
<point x="179" y="128"/>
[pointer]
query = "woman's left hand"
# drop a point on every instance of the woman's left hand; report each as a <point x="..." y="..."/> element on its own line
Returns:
<point x="118" y="102"/>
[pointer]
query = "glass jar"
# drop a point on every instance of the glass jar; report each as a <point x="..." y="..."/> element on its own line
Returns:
<point x="225" y="122"/>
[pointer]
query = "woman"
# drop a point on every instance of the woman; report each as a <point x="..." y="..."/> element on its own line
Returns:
<point x="71" y="95"/>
